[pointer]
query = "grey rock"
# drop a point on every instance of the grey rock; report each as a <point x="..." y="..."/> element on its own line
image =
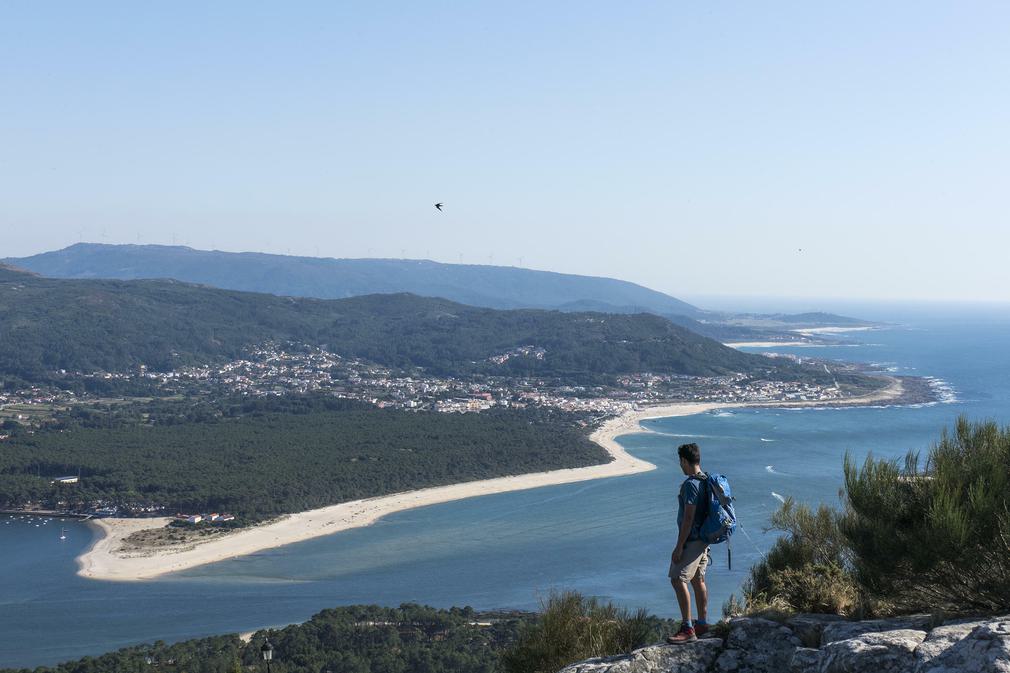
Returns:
<point x="941" y="639"/>
<point x="891" y="651"/>
<point x="985" y="648"/>
<point x="757" y="645"/>
<point x="847" y="630"/>
<point x="686" y="658"/>
<point x="808" y="627"/>
<point x="805" y="660"/>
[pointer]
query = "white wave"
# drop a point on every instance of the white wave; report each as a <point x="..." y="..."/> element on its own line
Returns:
<point x="770" y="469"/>
<point x="778" y="497"/>
<point x="767" y="440"/>
<point x="944" y="391"/>
<point x="681" y="434"/>
<point x="886" y="366"/>
<point x="723" y="414"/>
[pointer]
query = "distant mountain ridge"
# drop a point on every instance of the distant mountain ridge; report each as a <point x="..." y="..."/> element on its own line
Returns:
<point x="324" y="278"/>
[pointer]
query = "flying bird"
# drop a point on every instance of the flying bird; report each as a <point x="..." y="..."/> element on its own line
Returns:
<point x="439" y="206"/>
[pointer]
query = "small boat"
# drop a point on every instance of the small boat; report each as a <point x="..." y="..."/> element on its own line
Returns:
<point x="63" y="533"/>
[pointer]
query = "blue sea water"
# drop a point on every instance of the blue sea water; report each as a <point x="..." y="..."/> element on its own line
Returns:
<point x="610" y="538"/>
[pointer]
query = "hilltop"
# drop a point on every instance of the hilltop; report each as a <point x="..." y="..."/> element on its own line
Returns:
<point x="9" y="273"/>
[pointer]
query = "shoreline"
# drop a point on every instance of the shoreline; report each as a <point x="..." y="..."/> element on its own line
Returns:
<point x="774" y="344"/>
<point x="102" y="562"/>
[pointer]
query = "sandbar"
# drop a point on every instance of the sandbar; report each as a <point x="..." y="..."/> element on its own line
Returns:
<point x="103" y="561"/>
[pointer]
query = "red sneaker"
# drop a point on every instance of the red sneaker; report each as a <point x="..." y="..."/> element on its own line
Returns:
<point x="701" y="630"/>
<point x="685" y="635"/>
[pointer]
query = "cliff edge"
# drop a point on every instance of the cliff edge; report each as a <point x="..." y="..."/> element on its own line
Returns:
<point x="828" y="644"/>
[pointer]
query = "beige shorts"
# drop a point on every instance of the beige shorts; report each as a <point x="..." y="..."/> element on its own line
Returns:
<point x="693" y="562"/>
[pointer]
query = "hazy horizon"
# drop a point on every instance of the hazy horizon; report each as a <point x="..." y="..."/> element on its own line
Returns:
<point x="790" y="150"/>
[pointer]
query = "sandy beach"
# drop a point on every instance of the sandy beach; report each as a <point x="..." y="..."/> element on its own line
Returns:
<point x="832" y="330"/>
<point x="769" y="344"/>
<point x="102" y="561"/>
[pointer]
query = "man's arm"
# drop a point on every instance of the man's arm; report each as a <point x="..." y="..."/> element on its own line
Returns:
<point x="685" y="530"/>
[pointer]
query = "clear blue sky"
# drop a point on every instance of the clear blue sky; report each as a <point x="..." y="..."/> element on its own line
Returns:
<point x="691" y="147"/>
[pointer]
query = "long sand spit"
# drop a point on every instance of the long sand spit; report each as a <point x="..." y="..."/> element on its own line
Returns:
<point x="104" y="561"/>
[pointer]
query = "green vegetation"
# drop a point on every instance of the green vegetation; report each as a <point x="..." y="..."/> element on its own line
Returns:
<point x="408" y="639"/>
<point x="912" y="537"/>
<point x="259" y="459"/>
<point x="116" y="326"/>
<point x="806" y="570"/>
<point x="937" y="536"/>
<point x="355" y="639"/>
<point x="572" y="628"/>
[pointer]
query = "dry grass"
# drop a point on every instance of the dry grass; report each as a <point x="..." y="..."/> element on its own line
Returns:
<point x="169" y="538"/>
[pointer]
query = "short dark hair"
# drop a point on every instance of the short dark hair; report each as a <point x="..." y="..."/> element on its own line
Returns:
<point x="690" y="452"/>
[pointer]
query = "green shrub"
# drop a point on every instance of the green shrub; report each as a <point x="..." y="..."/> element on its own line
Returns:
<point x="806" y="569"/>
<point x="936" y="537"/>
<point x="572" y="628"/>
<point x="815" y="587"/>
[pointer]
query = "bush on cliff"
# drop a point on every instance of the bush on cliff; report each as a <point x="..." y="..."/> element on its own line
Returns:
<point x="571" y="628"/>
<point x="935" y="536"/>
<point x="912" y="537"/>
<point x="806" y="570"/>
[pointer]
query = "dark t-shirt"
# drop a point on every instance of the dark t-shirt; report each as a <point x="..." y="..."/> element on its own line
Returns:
<point x="691" y="492"/>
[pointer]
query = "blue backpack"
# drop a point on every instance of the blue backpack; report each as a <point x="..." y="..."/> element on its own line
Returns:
<point x="719" y="522"/>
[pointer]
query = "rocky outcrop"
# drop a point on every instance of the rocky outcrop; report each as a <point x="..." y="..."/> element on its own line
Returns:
<point x="872" y="652"/>
<point x="805" y="660"/>
<point x="693" y="658"/>
<point x="845" y="630"/>
<point x="753" y="645"/>
<point x="941" y="639"/>
<point x="985" y="648"/>
<point x="757" y="645"/>
<point x="808" y="627"/>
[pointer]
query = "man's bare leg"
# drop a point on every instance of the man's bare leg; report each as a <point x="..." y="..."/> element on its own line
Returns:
<point x="683" y="597"/>
<point x="700" y="596"/>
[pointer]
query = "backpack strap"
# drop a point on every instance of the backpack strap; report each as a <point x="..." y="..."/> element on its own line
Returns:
<point x="702" y="510"/>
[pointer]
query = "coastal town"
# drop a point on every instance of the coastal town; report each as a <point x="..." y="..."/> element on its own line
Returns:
<point x="278" y="370"/>
<point x="286" y="369"/>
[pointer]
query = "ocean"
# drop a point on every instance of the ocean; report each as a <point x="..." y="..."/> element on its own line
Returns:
<point x="610" y="538"/>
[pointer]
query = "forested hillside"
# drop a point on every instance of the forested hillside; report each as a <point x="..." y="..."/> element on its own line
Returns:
<point x="87" y="325"/>
<point x="270" y="457"/>
<point x="353" y="639"/>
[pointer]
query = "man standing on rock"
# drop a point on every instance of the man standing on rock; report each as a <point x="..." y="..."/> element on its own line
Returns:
<point x="690" y="555"/>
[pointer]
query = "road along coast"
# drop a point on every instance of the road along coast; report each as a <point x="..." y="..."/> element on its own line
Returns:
<point x="104" y="560"/>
